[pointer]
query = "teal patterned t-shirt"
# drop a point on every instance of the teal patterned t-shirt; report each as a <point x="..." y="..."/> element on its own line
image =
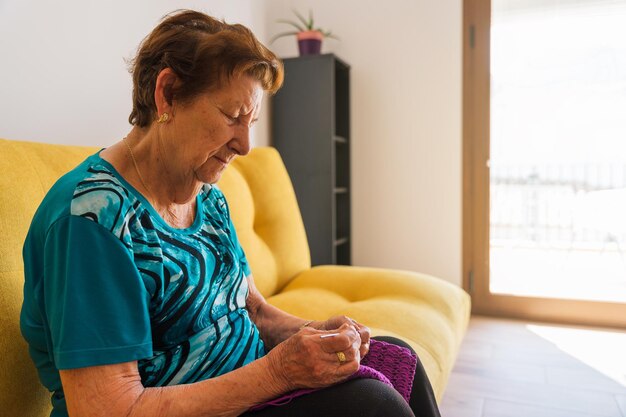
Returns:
<point x="109" y="281"/>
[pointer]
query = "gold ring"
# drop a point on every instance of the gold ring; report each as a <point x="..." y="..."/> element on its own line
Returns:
<point x="342" y="357"/>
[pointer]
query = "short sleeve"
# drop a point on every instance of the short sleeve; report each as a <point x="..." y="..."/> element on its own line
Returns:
<point x="96" y="305"/>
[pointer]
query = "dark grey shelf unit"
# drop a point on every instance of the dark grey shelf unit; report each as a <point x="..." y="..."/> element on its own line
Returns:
<point x="311" y="130"/>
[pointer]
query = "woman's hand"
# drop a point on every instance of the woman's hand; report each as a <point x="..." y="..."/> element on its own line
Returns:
<point x="315" y="358"/>
<point x="277" y="326"/>
<point x="338" y="321"/>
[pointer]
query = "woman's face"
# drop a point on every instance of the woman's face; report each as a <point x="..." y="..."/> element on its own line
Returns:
<point x="206" y="134"/>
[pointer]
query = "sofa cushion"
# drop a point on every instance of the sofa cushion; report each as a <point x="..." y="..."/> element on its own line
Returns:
<point x="428" y="313"/>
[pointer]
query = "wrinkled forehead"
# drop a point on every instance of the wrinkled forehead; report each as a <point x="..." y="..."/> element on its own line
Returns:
<point x="244" y="93"/>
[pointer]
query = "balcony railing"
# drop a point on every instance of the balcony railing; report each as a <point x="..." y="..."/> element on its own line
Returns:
<point x="580" y="206"/>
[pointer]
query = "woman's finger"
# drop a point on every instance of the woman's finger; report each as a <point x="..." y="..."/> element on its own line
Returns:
<point x="364" y="349"/>
<point x="341" y="339"/>
<point x="364" y="336"/>
<point x="344" y="362"/>
<point x="364" y="332"/>
<point x="336" y="322"/>
<point x="349" y="356"/>
<point x="335" y="342"/>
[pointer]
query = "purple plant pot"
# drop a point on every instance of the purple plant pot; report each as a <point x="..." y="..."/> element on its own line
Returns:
<point x="309" y="46"/>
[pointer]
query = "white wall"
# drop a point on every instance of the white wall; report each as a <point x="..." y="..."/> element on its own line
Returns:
<point x="406" y="59"/>
<point x="63" y="78"/>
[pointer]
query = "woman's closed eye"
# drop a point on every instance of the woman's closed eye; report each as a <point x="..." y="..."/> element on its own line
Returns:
<point x="231" y="119"/>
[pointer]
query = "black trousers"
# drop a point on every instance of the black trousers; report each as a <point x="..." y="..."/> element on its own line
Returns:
<point x="362" y="397"/>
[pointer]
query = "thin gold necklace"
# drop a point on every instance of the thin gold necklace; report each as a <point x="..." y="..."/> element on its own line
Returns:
<point x="132" y="156"/>
<point x="151" y="196"/>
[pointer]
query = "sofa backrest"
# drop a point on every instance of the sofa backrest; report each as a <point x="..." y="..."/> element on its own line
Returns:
<point x="265" y="212"/>
<point x="263" y="208"/>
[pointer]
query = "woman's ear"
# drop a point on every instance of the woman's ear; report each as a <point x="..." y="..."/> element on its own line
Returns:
<point x="163" y="91"/>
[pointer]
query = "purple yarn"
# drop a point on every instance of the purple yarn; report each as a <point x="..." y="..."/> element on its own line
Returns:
<point x="391" y="364"/>
<point x="394" y="363"/>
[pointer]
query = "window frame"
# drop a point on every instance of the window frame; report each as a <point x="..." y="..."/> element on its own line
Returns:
<point x="476" y="145"/>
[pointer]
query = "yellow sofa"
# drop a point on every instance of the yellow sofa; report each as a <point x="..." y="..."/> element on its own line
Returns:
<point x="428" y="313"/>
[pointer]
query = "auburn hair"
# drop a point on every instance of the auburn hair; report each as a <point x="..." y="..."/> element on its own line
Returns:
<point x="204" y="53"/>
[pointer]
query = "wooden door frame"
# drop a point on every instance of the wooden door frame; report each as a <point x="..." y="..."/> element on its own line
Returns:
<point x="476" y="119"/>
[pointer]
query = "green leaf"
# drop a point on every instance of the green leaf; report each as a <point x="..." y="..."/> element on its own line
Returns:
<point x="327" y="34"/>
<point x="302" y="26"/>
<point x="308" y="25"/>
<point x="281" y="35"/>
<point x="294" y="24"/>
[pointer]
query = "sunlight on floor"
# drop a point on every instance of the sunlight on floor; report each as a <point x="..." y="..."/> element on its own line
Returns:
<point x="602" y="350"/>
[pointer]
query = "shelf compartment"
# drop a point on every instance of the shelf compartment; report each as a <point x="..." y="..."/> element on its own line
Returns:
<point x="342" y="216"/>
<point x="343" y="254"/>
<point x="342" y="164"/>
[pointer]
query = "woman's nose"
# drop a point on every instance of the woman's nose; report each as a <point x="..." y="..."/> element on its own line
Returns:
<point x="240" y="144"/>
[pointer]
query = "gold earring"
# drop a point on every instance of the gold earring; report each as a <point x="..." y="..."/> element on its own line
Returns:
<point x="163" y="118"/>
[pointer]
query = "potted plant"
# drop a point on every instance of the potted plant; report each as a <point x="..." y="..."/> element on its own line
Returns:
<point x="309" y="37"/>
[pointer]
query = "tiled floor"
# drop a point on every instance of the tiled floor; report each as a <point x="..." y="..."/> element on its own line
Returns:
<point x="510" y="368"/>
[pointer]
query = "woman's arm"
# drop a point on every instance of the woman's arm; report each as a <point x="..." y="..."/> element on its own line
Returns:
<point x="304" y="361"/>
<point x="276" y="325"/>
<point x="116" y="390"/>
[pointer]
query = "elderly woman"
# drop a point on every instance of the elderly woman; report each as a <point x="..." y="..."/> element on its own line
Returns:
<point x="138" y="297"/>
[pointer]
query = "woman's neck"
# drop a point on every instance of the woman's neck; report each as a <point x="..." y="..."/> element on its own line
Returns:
<point x="141" y="159"/>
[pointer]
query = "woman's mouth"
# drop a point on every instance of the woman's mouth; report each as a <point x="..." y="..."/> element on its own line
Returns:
<point x="221" y="160"/>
